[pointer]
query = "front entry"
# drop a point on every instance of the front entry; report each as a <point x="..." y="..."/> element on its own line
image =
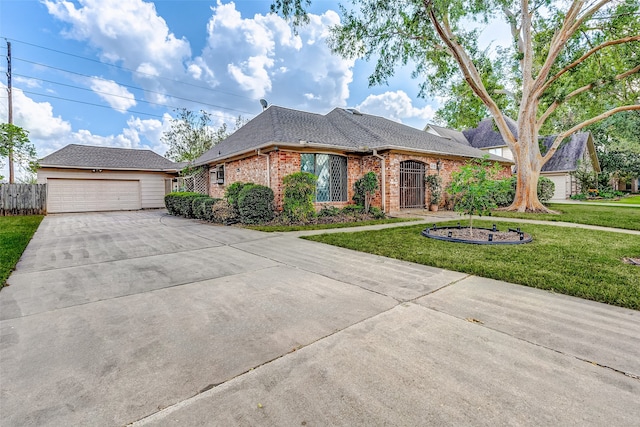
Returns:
<point x="411" y="184"/>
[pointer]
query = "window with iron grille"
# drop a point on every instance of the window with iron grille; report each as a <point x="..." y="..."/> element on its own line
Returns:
<point x="332" y="175"/>
<point x="220" y="174"/>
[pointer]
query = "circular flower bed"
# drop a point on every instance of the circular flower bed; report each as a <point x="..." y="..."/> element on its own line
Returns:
<point x="478" y="236"/>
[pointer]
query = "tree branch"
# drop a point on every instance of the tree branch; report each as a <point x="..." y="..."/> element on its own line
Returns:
<point x="563" y="135"/>
<point x="555" y="104"/>
<point x="469" y="70"/>
<point x="583" y="57"/>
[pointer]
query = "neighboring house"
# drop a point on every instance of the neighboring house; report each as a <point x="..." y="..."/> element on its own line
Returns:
<point x="83" y="178"/>
<point x="579" y="149"/>
<point x="339" y="147"/>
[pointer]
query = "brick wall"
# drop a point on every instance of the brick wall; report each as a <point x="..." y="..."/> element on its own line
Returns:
<point x="283" y="163"/>
<point x="447" y="166"/>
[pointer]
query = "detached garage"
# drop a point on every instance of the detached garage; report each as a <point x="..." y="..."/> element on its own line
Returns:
<point x="82" y="178"/>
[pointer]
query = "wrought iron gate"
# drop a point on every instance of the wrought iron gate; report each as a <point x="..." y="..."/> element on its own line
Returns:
<point x="411" y="184"/>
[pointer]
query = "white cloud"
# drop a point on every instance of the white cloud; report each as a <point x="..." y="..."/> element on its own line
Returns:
<point x="28" y="82"/>
<point x="395" y="106"/>
<point x="36" y="117"/>
<point x="118" y="97"/>
<point x="262" y="57"/>
<point x="128" y="31"/>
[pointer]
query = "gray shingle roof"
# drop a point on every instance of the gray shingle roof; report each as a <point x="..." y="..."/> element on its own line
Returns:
<point x="339" y="128"/>
<point x="567" y="156"/>
<point x="452" y="134"/>
<point x="565" y="159"/>
<point x="85" y="156"/>
<point x="486" y="135"/>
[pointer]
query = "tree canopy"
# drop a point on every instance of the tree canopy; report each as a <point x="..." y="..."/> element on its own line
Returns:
<point x="566" y="60"/>
<point x="191" y="134"/>
<point x="17" y="148"/>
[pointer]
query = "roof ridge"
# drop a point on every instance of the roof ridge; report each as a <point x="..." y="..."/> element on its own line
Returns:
<point x="350" y="117"/>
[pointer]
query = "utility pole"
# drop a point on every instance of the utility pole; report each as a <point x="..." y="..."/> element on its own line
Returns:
<point x="11" y="174"/>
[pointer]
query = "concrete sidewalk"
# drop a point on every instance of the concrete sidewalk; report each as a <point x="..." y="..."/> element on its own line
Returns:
<point x="146" y="319"/>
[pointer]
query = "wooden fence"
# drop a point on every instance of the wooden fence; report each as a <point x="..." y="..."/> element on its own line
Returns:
<point x="23" y="199"/>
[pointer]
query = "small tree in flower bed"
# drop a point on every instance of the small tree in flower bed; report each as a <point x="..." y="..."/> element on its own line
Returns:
<point x="473" y="186"/>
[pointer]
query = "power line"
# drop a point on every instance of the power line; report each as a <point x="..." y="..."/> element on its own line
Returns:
<point x="104" y="93"/>
<point x="131" y="70"/>
<point x="130" y="86"/>
<point x="92" y="104"/>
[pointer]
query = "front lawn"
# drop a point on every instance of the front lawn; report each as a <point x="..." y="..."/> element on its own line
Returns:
<point x="627" y="217"/>
<point x="15" y="234"/>
<point x="631" y="200"/>
<point x="578" y="262"/>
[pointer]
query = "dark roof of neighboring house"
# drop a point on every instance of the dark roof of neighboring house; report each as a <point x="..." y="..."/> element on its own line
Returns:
<point x="486" y="135"/>
<point x="341" y="128"/>
<point x="567" y="156"/>
<point x="85" y="156"/>
<point x="452" y="134"/>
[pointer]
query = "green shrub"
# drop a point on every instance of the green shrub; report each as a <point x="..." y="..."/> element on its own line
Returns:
<point x="364" y="189"/>
<point x="179" y="203"/>
<point x="223" y="213"/>
<point x="255" y="203"/>
<point x="376" y="212"/>
<point x="579" y="196"/>
<point x="299" y="191"/>
<point x="353" y="209"/>
<point x="504" y="191"/>
<point x="546" y="188"/>
<point x="232" y="193"/>
<point x="202" y="208"/>
<point x="434" y="182"/>
<point x="328" y="211"/>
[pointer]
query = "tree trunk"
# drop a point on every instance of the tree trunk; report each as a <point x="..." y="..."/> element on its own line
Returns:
<point x="529" y="164"/>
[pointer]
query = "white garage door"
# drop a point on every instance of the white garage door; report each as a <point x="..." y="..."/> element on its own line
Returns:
<point x="560" y="182"/>
<point x="90" y="195"/>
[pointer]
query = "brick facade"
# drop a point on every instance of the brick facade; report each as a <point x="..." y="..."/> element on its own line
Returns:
<point x="282" y="163"/>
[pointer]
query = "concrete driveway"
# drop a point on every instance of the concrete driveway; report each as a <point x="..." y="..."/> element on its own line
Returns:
<point x="140" y="317"/>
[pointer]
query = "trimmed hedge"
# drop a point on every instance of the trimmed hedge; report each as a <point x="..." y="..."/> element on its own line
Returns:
<point x="179" y="203"/>
<point x="203" y="208"/>
<point x="255" y="204"/>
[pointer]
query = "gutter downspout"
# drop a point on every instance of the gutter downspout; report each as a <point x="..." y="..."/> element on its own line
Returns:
<point x="268" y="166"/>
<point x="383" y="185"/>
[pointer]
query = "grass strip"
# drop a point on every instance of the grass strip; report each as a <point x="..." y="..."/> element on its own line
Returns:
<point x="285" y="228"/>
<point x="578" y="262"/>
<point x="15" y="234"/>
<point x="626" y="217"/>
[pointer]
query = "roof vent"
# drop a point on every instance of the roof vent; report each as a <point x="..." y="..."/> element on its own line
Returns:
<point x="353" y="111"/>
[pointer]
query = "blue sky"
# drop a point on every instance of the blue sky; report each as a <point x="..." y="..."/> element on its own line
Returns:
<point x="111" y="72"/>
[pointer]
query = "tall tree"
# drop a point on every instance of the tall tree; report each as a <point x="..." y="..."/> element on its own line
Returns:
<point x="562" y="52"/>
<point x="191" y="134"/>
<point x="16" y="147"/>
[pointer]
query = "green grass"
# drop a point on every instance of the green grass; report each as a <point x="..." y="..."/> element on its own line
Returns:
<point x="274" y="228"/>
<point x="631" y="200"/>
<point x="572" y="261"/>
<point x="626" y="217"/>
<point x="15" y="233"/>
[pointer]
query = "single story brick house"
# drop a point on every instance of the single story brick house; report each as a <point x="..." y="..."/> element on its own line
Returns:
<point x="339" y="148"/>
<point x="579" y="149"/>
<point x="82" y="178"/>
